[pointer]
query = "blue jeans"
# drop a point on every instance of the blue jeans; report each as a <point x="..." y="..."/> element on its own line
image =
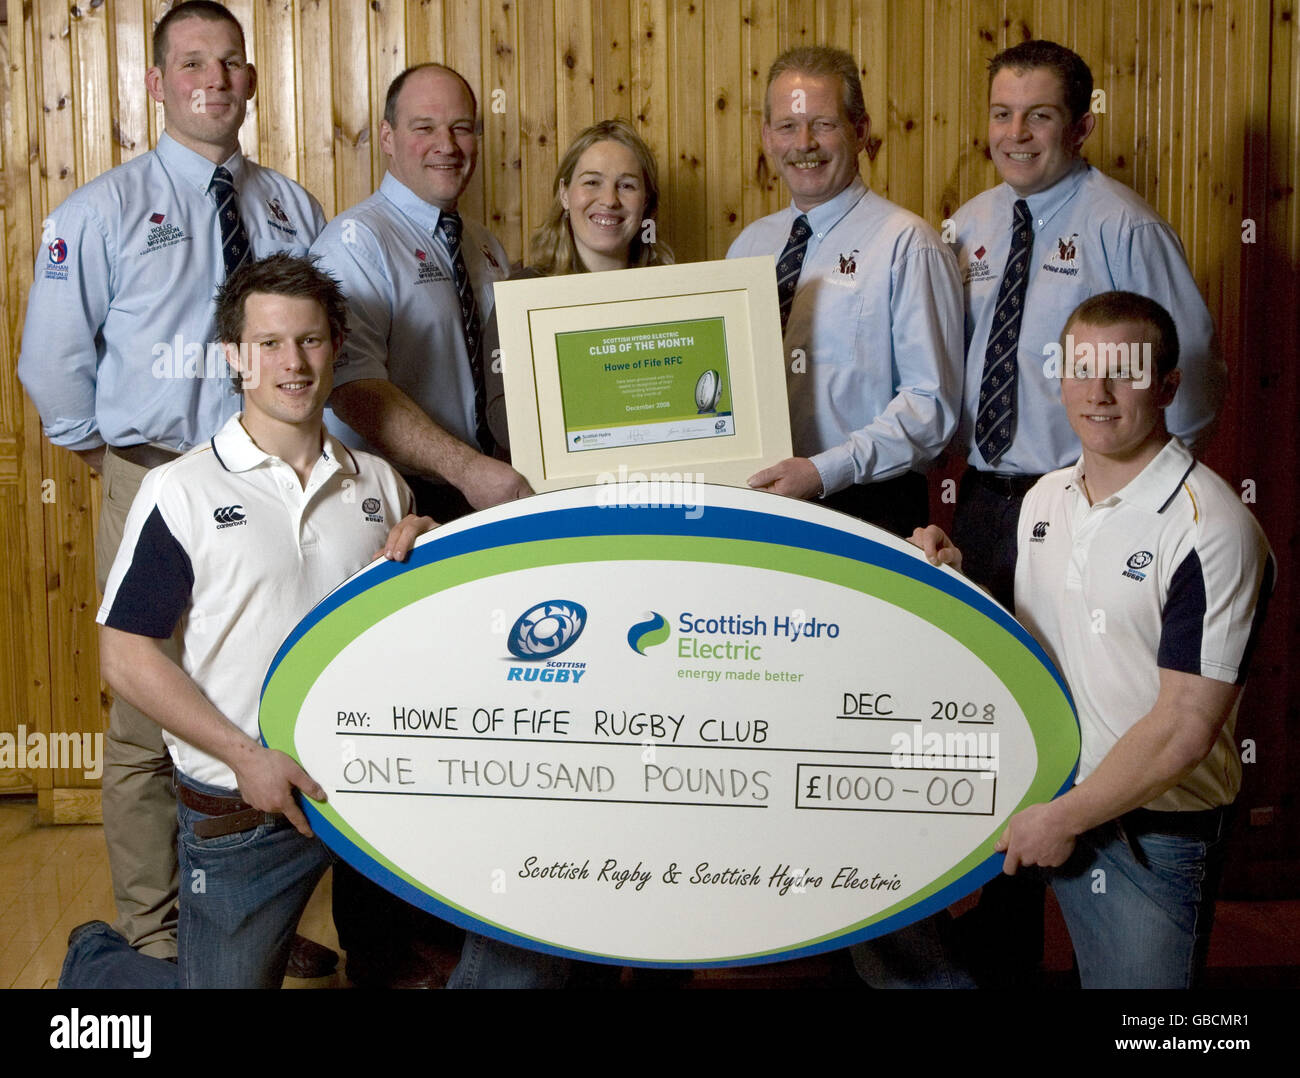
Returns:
<point x="241" y="898"/>
<point x="100" y="957"/>
<point x="1138" y="898"/>
<point x="488" y="963"/>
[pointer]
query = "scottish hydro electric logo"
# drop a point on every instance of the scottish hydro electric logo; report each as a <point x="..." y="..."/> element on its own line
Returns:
<point x="646" y="634"/>
<point x="547" y="629"/>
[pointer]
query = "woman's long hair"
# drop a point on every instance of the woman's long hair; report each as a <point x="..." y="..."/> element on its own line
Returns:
<point x="553" y="251"/>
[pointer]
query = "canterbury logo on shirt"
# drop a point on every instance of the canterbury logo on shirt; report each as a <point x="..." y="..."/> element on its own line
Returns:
<point x="1040" y="532"/>
<point x="228" y="516"/>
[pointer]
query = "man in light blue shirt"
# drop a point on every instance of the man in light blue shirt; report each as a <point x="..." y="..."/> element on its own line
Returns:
<point x="871" y="306"/>
<point x="407" y="382"/>
<point x="119" y="356"/>
<point x="418" y="281"/>
<point x="871" y="313"/>
<point x="1054" y="233"/>
<point x="1090" y="234"/>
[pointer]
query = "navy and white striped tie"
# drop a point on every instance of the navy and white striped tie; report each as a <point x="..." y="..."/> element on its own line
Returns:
<point x="995" y="422"/>
<point x="449" y="224"/>
<point x="234" y="240"/>
<point x="789" y="265"/>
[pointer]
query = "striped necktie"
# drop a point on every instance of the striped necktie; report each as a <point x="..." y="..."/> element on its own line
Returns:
<point x="449" y="224"/>
<point x="789" y="265"/>
<point x="996" y="419"/>
<point x="234" y="240"/>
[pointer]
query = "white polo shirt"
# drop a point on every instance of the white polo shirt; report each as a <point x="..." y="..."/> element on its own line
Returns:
<point x="227" y="544"/>
<point x="1172" y="571"/>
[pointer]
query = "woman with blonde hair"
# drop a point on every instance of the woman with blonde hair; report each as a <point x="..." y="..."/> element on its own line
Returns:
<point x="606" y="196"/>
<point x="602" y="218"/>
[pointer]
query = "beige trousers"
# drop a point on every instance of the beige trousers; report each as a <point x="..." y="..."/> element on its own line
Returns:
<point x="138" y="801"/>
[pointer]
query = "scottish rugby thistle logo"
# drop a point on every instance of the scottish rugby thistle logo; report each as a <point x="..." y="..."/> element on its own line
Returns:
<point x="546" y="629"/>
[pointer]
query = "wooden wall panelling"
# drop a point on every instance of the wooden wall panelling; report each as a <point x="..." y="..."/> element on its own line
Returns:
<point x="871" y="43"/>
<point x="1258" y="438"/>
<point x="131" y="32"/>
<point x="26" y="697"/>
<point x="724" y="114"/>
<point x="278" y="92"/>
<point x="243" y="10"/>
<point x="760" y="44"/>
<point x="425" y="34"/>
<point x="905" y="132"/>
<point x="351" y="94"/>
<point x="315" y="103"/>
<point x="463" y="30"/>
<point x="68" y="518"/>
<point x="1163" y="190"/>
<point x="589" y="70"/>
<point x="686" y="163"/>
<point x="387" y="61"/>
<point x="983" y="40"/>
<point x="92" y="89"/>
<point x="798" y="22"/>
<point x="1125" y="68"/>
<point x="499" y="157"/>
<point x="1088" y="37"/>
<point x="645" y="40"/>
<point x="92" y="115"/>
<point x="539" y="143"/>
<point x="945" y="112"/>
<point x="1218" y="255"/>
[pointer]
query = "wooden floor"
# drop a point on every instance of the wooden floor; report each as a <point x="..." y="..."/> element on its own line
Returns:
<point x="54" y="878"/>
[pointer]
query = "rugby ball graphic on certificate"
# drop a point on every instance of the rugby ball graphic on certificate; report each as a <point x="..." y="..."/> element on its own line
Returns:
<point x="734" y="729"/>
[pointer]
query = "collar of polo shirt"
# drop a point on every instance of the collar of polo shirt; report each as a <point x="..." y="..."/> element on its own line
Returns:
<point x="237" y="452"/>
<point x="1155" y="486"/>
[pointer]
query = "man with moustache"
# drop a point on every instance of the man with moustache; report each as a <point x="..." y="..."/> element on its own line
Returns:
<point x="120" y="359"/>
<point x="871" y="316"/>
<point x="870" y="306"/>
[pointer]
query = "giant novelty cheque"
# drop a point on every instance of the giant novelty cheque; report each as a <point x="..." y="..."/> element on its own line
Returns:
<point x="674" y="724"/>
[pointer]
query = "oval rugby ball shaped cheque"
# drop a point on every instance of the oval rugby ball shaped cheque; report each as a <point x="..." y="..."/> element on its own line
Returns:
<point x="669" y="724"/>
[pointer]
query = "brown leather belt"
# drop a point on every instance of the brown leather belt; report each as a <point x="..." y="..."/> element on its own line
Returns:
<point x="231" y="816"/>
<point x="145" y="455"/>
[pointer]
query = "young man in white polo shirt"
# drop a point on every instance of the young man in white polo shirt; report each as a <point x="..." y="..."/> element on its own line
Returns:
<point x="234" y="542"/>
<point x="1146" y="579"/>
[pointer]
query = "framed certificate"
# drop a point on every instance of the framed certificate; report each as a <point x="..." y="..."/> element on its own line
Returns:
<point x="668" y="369"/>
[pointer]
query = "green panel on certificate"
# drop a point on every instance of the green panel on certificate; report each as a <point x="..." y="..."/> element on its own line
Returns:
<point x="638" y="385"/>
